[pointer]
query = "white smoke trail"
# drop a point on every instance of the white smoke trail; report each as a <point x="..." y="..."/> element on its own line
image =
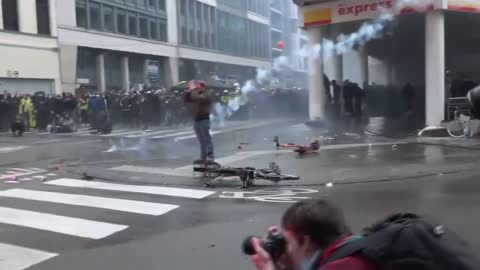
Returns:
<point x="263" y="75"/>
<point x="223" y="112"/>
<point x="368" y="31"/>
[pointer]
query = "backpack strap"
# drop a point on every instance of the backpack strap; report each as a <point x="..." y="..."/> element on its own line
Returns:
<point x="347" y="250"/>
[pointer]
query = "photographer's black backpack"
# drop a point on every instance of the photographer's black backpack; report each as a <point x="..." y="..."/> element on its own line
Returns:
<point x="409" y="242"/>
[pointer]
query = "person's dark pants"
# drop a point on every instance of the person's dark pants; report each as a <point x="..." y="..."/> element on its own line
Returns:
<point x="42" y="120"/>
<point x="202" y="130"/>
<point x="349" y="104"/>
<point x="358" y="105"/>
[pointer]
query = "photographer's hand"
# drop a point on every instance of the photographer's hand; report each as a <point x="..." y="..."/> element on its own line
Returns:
<point x="262" y="260"/>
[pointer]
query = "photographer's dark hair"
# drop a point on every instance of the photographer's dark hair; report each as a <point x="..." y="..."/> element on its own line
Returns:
<point x="317" y="218"/>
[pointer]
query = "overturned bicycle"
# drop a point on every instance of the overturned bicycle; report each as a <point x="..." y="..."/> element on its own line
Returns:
<point x="212" y="171"/>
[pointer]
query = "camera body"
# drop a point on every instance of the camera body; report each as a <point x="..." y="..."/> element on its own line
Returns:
<point x="274" y="244"/>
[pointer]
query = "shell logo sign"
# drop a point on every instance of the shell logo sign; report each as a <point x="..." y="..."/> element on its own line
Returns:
<point x="317" y="17"/>
<point x="346" y="11"/>
<point x="464" y="5"/>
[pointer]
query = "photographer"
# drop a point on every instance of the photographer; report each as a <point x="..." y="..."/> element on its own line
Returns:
<point x="313" y="230"/>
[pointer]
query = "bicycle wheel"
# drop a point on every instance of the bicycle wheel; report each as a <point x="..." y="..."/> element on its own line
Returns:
<point x="457" y="129"/>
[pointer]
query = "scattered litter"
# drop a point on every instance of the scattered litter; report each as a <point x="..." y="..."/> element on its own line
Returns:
<point x="329" y="185"/>
<point x="369" y="145"/>
<point x="440" y="174"/>
<point x="211" y="245"/>
<point x="265" y="139"/>
<point x="353" y="156"/>
<point x="239" y="147"/>
<point x="244" y="143"/>
<point x="394" y="146"/>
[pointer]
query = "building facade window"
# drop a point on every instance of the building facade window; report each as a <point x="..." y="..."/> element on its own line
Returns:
<point x="81" y="12"/>
<point x="122" y="22"/>
<point x="95" y="19"/>
<point x="108" y="22"/>
<point x="132" y="25"/>
<point x="153" y="29"/>
<point x="141" y="18"/>
<point x="259" y="6"/>
<point x="43" y="17"/>
<point x="143" y="27"/>
<point x="163" y="30"/>
<point x="10" y="15"/>
<point x="161" y="5"/>
<point x="204" y="26"/>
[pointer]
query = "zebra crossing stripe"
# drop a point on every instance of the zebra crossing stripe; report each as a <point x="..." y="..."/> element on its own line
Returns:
<point x="58" y="224"/>
<point x="19" y="258"/>
<point x="154" y="190"/>
<point x="138" y="207"/>
<point x="150" y="133"/>
<point x="172" y="135"/>
<point x="125" y="133"/>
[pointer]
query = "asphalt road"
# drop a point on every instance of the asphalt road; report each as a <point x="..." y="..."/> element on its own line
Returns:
<point x="141" y="209"/>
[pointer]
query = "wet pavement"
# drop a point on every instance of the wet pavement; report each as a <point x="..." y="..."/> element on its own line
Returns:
<point x="368" y="176"/>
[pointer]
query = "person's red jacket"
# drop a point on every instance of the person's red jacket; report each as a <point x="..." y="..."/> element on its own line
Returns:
<point x="348" y="263"/>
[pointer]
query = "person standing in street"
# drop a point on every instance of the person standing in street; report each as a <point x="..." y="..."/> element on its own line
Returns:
<point x="201" y="106"/>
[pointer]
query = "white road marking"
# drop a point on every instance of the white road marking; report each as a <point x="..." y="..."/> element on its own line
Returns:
<point x="153" y="170"/>
<point x="25" y="179"/>
<point x="19" y="258"/>
<point x="138" y="207"/>
<point x="49" y="141"/>
<point x="11" y="182"/>
<point x="51" y="174"/>
<point x="12" y="149"/>
<point x="85" y="142"/>
<point x="21" y="174"/>
<point x="125" y="133"/>
<point x="172" y="135"/>
<point x="115" y="131"/>
<point x="228" y="130"/>
<point x="74" y="133"/>
<point x="186" y="171"/>
<point x="10" y="172"/>
<point x="59" y="224"/>
<point x="150" y="133"/>
<point x="155" y="190"/>
<point x="194" y="136"/>
<point x="20" y="169"/>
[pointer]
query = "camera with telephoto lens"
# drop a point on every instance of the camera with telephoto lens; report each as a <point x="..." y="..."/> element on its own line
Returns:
<point x="274" y="244"/>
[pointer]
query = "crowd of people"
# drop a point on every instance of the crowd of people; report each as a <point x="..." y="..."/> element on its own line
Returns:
<point x="136" y="109"/>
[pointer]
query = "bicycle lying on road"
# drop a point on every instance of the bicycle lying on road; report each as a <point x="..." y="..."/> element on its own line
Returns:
<point x="212" y="171"/>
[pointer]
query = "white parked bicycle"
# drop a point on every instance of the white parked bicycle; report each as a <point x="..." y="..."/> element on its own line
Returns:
<point x="461" y="126"/>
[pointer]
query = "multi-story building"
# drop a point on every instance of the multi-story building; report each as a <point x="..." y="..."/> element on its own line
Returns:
<point x="117" y="44"/>
<point x="28" y="47"/>
<point x="288" y="40"/>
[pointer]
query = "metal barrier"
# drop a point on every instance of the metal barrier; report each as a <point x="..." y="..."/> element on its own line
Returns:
<point x="457" y="105"/>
